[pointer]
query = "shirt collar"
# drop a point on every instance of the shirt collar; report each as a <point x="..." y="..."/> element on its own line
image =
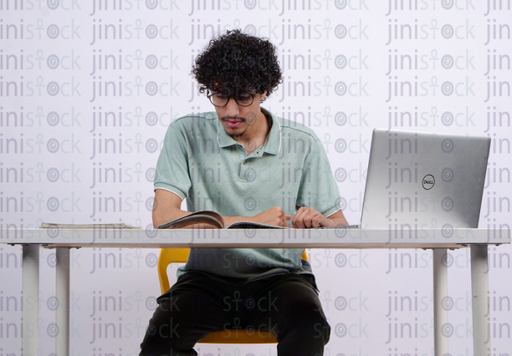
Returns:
<point x="272" y="144"/>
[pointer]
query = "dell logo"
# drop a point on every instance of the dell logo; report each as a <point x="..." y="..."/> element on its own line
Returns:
<point x="428" y="182"/>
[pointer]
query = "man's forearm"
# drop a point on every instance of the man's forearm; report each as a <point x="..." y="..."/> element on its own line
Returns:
<point x="162" y="217"/>
<point x="337" y="219"/>
<point x="338" y="222"/>
<point x="231" y="219"/>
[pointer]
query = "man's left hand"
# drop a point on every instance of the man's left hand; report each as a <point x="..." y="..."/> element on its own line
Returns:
<point x="307" y="217"/>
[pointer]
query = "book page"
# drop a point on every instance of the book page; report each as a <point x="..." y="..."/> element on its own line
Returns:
<point x="199" y="217"/>
<point x="251" y="225"/>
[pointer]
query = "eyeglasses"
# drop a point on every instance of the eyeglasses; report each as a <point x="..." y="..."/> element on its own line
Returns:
<point x="220" y="100"/>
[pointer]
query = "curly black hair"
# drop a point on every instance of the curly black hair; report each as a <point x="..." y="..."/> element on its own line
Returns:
<point x="237" y="62"/>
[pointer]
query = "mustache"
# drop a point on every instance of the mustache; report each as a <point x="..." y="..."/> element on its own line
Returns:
<point x="233" y="118"/>
<point x="250" y="119"/>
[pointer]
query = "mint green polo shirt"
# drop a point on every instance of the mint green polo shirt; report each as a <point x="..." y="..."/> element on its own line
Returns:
<point x="201" y="163"/>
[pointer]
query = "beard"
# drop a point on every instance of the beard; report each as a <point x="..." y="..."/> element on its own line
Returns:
<point x="236" y="135"/>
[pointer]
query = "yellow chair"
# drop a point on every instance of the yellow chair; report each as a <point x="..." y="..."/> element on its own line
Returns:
<point x="235" y="336"/>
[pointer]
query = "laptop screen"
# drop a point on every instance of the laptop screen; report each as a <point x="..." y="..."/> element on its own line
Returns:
<point x="420" y="180"/>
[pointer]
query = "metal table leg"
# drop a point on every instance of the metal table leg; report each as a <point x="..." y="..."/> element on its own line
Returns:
<point x="441" y="326"/>
<point x="30" y="287"/>
<point x="62" y="285"/>
<point x="480" y="301"/>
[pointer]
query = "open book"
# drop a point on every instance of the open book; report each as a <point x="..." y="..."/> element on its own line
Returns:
<point x="215" y="220"/>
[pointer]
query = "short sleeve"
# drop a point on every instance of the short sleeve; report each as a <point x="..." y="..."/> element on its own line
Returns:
<point x="172" y="171"/>
<point x="318" y="188"/>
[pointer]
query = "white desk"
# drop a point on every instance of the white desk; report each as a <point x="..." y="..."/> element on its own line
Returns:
<point x="437" y="239"/>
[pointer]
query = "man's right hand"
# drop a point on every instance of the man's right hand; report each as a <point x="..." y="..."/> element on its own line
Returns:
<point x="274" y="216"/>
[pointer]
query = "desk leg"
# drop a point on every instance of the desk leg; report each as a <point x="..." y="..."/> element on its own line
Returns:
<point x="441" y="326"/>
<point x="30" y="287"/>
<point x="480" y="301"/>
<point x="62" y="294"/>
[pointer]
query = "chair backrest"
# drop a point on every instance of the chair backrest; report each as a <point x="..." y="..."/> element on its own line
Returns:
<point x="235" y="336"/>
<point x="168" y="256"/>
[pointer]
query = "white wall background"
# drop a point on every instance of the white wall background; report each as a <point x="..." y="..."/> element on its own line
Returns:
<point x="61" y="160"/>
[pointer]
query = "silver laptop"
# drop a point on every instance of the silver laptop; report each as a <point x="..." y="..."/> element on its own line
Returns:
<point x="424" y="180"/>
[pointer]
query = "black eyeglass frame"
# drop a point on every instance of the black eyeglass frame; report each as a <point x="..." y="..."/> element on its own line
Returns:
<point x="210" y="95"/>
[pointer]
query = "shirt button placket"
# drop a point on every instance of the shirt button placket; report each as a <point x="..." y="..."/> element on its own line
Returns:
<point x="243" y="167"/>
<point x="243" y="155"/>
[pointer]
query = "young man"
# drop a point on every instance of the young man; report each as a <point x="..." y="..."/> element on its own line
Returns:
<point x="246" y="164"/>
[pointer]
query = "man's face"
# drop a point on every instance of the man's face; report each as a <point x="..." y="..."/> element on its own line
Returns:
<point x="240" y="120"/>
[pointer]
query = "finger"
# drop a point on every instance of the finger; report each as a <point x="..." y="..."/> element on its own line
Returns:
<point x="312" y="218"/>
<point x="287" y="217"/>
<point x="317" y="220"/>
<point x="280" y="214"/>
<point x="307" y="220"/>
<point x="282" y="220"/>
<point x="325" y="222"/>
<point x="307" y="216"/>
<point x="278" y="209"/>
<point x="304" y="216"/>
<point x="294" y="220"/>
<point x="299" y="218"/>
